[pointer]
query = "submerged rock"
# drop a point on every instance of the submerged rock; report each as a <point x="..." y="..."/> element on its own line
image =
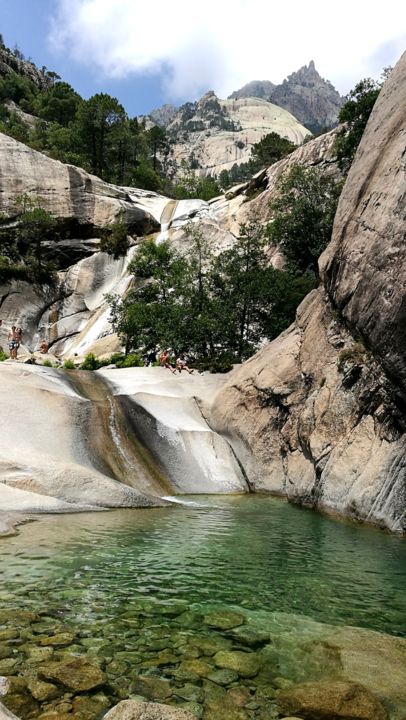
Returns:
<point x="332" y="700"/>
<point x="245" y="664"/>
<point x="75" y="673"/>
<point x="224" y="619"/>
<point x="137" y="710"/>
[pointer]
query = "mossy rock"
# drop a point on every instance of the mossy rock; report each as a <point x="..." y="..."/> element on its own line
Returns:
<point x="191" y="693"/>
<point x="41" y="690"/>
<point x="74" y="673"/>
<point x="151" y="688"/>
<point x="245" y="664"/>
<point x="197" y="667"/>
<point x="37" y="654"/>
<point x="117" y="667"/>
<point x="224" y="619"/>
<point x="331" y="699"/>
<point x="21" y="704"/>
<point x="223" y="677"/>
<point x="17" y="617"/>
<point x="249" y="636"/>
<point x="9" y="634"/>
<point x="9" y="666"/>
<point x="5" y="651"/>
<point x="60" y="639"/>
<point x="89" y="708"/>
<point x="194" y="708"/>
<point x="211" y="644"/>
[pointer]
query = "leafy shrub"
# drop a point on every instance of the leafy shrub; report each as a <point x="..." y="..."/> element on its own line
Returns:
<point x="133" y="360"/>
<point x="90" y="362"/>
<point x="68" y="365"/>
<point x="116" y="358"/>
<point x="3" y="356"/>
<point x="115" y="241"/>
<point x="47" y="363"/>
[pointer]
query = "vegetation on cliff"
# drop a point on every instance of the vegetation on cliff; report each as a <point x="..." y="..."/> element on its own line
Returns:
<point x="21" y="243"/>
<point x="219" y="307"/>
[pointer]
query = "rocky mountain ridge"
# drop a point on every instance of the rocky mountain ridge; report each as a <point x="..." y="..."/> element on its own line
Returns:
<point x="305" y="94"/>
<point x="11" y="63"/>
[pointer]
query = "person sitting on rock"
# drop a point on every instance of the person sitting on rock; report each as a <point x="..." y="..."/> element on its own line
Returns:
<point x="44" y="347"/>
<point x="181" y="364"/>
<point x="164" y="360"/>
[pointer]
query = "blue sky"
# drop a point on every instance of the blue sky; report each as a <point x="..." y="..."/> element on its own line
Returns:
<point x="147" y="53"/>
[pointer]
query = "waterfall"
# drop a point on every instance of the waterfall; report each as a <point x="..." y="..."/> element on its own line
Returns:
<point x="166" y="219"/>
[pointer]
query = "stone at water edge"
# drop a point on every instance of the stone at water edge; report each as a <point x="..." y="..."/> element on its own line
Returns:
<point x="331" y="699"/>
<point x="136" y="710"/>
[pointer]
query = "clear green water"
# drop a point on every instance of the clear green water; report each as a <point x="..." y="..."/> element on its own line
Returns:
<point x="259" y="553"/>
<point x="99" y="573"/>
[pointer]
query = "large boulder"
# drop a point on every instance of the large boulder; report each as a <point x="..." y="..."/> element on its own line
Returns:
<point x="81" y="200"/>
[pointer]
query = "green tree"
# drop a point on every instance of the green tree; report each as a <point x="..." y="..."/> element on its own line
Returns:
<point x="190" y="186"/>
<point x="303" y="216"/>
<point x="270" y="149"/>
<point x="239" y="279"/>
<point x="355" y="113"/>
<point x="158" y="143"/>
<point x="115" y="240"/>
<point x="35" y="226"/>
<point x="59" y="104"/>
<point x="97" y="122"/>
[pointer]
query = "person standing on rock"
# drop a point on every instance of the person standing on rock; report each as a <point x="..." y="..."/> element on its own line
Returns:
<point x="13" y="343"/>
<point x="164" y="360"/>
<point x="19" y="337"/>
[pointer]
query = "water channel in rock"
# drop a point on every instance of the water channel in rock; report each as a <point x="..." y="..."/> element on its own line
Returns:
<point x="215" y="603"/>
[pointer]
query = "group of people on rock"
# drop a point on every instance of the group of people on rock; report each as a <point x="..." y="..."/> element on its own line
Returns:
<point x="14" y="340"/>
<point x="181" y="362"/>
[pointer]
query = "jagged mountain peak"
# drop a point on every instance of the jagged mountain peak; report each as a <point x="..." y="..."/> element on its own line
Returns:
<point x="305" y="93"/>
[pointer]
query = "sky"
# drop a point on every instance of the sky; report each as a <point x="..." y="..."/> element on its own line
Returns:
<point x="149" y="52"/>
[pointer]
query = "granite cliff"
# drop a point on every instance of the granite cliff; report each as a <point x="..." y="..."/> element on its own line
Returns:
<point x="213" y="134"/>
<point x="318" y="415"/>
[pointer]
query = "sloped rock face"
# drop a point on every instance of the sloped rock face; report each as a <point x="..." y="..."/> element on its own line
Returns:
<point x="364" y="267"/>
<point x="82" y="200"/>
<point x="313" y="415"/>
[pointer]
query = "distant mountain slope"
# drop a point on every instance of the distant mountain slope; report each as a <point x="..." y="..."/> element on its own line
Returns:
<point x="312" y="100"/>
<point x="9" y="63"/>
<point x="212" y="135"/>
<point x="256" y="88"/>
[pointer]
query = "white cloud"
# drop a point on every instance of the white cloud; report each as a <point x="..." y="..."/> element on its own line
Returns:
<point x="222" y="44"/>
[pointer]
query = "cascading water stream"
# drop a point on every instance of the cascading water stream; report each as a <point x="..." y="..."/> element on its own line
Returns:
<point x="166" y="219"/>
<point x="113" y="447"/>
